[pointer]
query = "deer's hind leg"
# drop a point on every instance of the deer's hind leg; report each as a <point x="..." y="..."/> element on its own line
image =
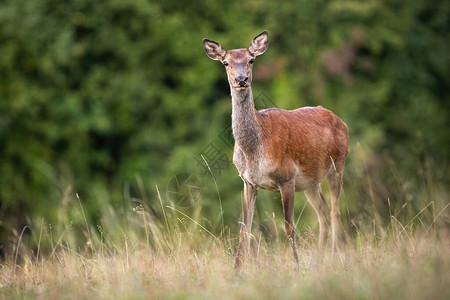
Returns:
<point x="318" y="202"/>
<point x="335" y="183"/>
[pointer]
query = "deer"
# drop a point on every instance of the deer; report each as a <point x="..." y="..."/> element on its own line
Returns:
<point x="284" y="151"/>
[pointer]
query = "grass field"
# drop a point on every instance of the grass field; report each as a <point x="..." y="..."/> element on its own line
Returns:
<point x="140" y="257"/>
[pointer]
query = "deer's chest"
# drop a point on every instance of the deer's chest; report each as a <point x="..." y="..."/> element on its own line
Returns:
<point x="255" y="169"/>
<point x="265" y="174"/>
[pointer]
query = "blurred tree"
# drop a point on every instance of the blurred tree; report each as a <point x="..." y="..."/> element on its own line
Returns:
<point x="95" y="94"/>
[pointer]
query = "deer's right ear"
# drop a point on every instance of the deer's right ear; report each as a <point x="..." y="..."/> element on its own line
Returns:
<point x="259" y="44"/>
<point x="214" y="50"/>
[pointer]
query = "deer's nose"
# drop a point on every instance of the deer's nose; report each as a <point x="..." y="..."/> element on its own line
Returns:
<point x="241" y="79"/>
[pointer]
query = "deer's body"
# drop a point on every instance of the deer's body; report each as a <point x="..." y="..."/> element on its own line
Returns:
<point x="316" y="138"/>
<point x="280" y="150"/>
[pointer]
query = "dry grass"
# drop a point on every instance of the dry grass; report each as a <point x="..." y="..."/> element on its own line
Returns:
<point x="181" y="260"/>
<point x="166" y="253"/>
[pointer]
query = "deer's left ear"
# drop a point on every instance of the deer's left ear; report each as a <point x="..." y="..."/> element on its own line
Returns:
<point x="214" y="50"/>
<point x="259" y="43"/>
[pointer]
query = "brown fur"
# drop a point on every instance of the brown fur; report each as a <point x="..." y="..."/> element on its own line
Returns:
<point x="317" y="140"/>
<point x="282" y="150"/>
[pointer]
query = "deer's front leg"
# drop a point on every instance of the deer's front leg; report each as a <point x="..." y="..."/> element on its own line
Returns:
<point x="246" y="225"/>
<point x="288" y="198"/>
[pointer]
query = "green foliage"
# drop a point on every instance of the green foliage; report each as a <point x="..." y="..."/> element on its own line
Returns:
<point x="95" y="94"/>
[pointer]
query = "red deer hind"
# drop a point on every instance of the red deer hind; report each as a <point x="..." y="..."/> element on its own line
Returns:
<point x="282" y="150"/>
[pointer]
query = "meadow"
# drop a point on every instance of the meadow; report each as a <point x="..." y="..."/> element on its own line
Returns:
<point x="137" y="256"/>
<point x="106" y="106"/>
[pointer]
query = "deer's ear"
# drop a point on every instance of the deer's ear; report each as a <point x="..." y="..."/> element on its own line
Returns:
<point x="259" y="43"/>
<point x="214" y="50"/>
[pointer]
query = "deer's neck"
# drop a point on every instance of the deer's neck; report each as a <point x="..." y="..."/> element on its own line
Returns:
<point x="246" y="130"/>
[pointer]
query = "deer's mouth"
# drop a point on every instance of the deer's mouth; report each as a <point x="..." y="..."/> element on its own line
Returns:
<point x="241" y="88"/>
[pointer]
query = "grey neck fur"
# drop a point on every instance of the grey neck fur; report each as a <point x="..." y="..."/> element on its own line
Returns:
<point x="246" y="130"/>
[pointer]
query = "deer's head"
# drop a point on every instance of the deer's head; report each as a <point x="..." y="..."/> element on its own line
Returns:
<point x="238" y="62"/>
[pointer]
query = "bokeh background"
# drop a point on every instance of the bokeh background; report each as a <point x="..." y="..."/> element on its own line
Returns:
<point x="115" y="101"/>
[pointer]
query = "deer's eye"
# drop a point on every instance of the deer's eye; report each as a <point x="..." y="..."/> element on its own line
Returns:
<point x="225" y="63"/>
<point x="252" y="60"/>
